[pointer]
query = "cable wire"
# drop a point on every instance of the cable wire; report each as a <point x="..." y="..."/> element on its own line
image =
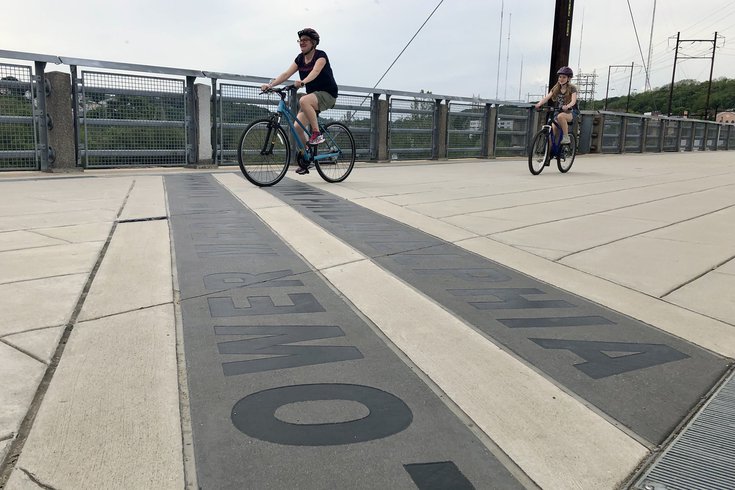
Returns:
<point x="409" y="43"/>
<point x="399" y="54"/>
<point x="640" y="50"/>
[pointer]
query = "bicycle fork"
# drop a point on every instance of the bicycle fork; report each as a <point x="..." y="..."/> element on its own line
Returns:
<point x="269" y="141"/>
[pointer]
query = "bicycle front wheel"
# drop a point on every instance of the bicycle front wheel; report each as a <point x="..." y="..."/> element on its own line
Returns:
<point x="565" y="161"/>
<point x="538" y="153"/>
<point x="264" y="153"/>
<point x="339" y="146"/>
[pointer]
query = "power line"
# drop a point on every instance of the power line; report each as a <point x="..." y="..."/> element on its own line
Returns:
<point x="399" y="55"/>
<point x="645" y="67"/>
<point x="409" y="43"/>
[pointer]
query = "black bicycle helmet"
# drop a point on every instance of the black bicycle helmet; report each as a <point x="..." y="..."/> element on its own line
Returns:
<point x="308" y="31"/>
<point x="565" y="70"/>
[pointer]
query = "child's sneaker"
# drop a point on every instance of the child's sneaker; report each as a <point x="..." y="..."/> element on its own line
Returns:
<point x="564" y="141"/>
<point x="316" y="138"/>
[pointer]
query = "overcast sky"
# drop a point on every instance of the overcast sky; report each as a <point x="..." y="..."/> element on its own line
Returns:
<point x="456" y="53"/>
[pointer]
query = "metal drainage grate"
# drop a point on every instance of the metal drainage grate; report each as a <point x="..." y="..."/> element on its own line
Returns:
<point x="703" y="455"/>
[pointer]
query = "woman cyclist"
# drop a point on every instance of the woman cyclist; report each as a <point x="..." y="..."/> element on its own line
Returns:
<point x="315" y="73"/>
<point x="564" y="97"/>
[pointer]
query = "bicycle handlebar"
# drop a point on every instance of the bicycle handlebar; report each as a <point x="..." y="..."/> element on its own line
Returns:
<point x="280" y="91"/>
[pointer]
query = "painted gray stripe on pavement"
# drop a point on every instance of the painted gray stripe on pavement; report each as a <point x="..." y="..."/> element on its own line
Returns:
<point x="289" y="387"/>
<point x="640" y="376"/>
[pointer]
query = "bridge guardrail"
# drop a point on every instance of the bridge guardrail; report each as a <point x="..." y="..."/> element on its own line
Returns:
<point x="199" y="124"/>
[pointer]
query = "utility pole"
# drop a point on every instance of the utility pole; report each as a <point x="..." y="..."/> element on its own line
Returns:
<point x="630" y="83"/>
<point x="711" y="69"/>
<point x="561" y="38"/>
<point x="673" y="74"/>
<point x="500" y="50"/>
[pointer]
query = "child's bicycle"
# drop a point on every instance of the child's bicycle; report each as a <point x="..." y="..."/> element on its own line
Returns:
<point x="264" y="152"/>
<point x="547" y="145"/>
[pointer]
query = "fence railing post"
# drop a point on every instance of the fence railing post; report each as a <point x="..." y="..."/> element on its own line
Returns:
<point x="60" y="127"/>
<point x="40" y="114"/>
<point x="623" y="133"/>
<point x="202" y="121"/>
<point x="439" y="136"/>
<point x="383" y="114"/>
<point x="491" y="127"/>
<point x="374" y="126"/>
<point x="214" y="123"/>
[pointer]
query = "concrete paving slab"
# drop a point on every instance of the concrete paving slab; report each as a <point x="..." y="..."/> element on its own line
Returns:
<point x="110" y="418"/>
<point x="560" y="238"/>
<point x="483" y="225"/>
<point x="37" y="304"/>
<point x="681" y="207"/>
<point x="135" y="272"/>
<point x="90" y="232"/>
<point x="727" y="268"/>
<point x="19" y="379"/>
<point x="19" y="480"/>
<point x="5" y="445"/>
<point x="57" y="260"/>
<point x="654" y="266"/>
<point x="429" y="225"/>
<point x="41" y="344"/>
<point x="326" y="253"/>
<point x="25" y="221"/>
<point x="17" y="240"/>
<point x="689" y="325"/>
<point x="146" y="200"/>
<point x="712" y="294"/>
<point x="714" y="228"/>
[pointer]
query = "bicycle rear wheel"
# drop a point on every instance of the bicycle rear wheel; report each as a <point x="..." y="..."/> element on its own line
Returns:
<point x="340" y="146"/>
<point x="264" y="153"/>
<point x="569" y="151"/>
<point x="538" y="153"/>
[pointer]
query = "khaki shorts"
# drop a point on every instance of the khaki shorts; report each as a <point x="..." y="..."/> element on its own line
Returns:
<point x="325" y="100"/>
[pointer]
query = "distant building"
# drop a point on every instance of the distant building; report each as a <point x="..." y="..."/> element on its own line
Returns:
<point x="727" y="117"/>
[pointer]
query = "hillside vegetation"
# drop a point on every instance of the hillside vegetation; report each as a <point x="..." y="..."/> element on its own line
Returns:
<point x="689" y="95"/>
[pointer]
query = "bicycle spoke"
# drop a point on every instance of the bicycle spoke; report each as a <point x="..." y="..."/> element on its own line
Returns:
<point x="339" y="150"/>
<point x="264" y="153"/>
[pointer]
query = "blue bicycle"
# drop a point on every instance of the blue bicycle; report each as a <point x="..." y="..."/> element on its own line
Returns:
<point x="264" y="153"/>
<point x="547" y="145"/>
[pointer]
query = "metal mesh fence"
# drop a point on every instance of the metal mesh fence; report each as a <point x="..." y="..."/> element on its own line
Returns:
<point x="686" y="136"/>
<point x="512" y="132"/>
<point x="671" y="135"/>
<point x="410" y="128"/>
<point x="653" y="135"/>
<point x="722" y="137"/>
<point x="711" y="132"/>
<point x="465" y="130"/>
<point x="237" y="107"/>
<point x="700" y="136"/>
<point x="633" y="134"/>
<point x="354" y="111"/>
<point x="129" y="120"/>
<point x="17" y="129"/>
<point x="731" y="137"/>
<point x="611" y="134"/>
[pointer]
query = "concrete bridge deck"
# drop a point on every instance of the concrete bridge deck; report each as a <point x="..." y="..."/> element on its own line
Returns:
<point x="428" y="325"/>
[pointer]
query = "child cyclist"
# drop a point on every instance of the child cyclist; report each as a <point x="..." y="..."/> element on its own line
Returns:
<point x="564" y="98"/>
<point x="315" y="73"/>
